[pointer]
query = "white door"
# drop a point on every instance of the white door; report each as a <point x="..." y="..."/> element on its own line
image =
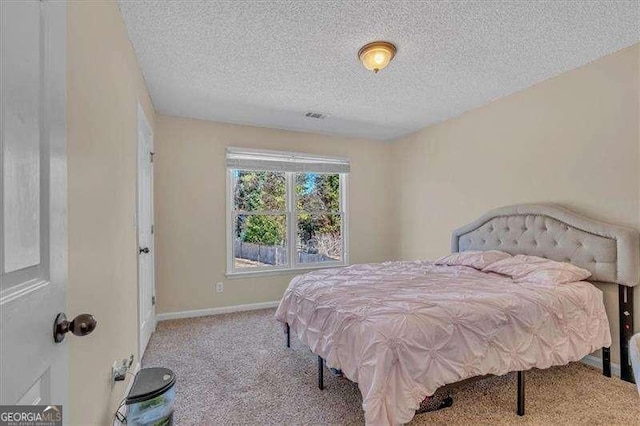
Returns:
<point x="33" y="201"/>
<point x="146" y="252"/>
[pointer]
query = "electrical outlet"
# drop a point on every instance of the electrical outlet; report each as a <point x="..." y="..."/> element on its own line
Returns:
<point x="220" y="287"/>
<point x="118" y="371"/>
<point x="119" y="368"/>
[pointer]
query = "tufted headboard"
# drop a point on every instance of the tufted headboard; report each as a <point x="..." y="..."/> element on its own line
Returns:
<point x="610" y="252"/>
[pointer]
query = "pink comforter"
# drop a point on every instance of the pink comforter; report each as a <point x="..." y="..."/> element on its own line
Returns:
<point x="401" y="330"/>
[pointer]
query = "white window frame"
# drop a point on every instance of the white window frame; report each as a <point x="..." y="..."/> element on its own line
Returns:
<point x="291" y="214"/>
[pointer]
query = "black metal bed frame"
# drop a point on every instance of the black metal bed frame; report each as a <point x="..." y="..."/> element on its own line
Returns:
<point x="625" y="303"/>
<point x="626" y="331"/>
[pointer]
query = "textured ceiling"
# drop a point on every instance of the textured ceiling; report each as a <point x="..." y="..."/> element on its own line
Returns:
<point x="266" y="63"/>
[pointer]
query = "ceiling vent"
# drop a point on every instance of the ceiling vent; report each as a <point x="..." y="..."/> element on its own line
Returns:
<point x="316" y="115"/>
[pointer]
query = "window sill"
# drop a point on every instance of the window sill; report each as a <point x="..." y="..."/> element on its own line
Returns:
<point x="276" y="272"/>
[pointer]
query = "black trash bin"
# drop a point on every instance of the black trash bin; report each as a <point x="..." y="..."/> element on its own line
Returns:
<point x="150" y="400"/>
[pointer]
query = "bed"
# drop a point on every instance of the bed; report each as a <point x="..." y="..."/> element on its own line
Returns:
<point x="401" y="330"/>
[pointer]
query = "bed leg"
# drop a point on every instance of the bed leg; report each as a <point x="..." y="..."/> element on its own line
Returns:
<point x="625" y="301"/>
<point x="320" y="373"/>
<point x="606" y="361"/>
<point x="521" y="393"/>
<point x="288" y="335"/>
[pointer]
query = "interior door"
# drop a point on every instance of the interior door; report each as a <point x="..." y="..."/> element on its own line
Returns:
<point x="146" y="252"/>
<point x="33" y="201"/>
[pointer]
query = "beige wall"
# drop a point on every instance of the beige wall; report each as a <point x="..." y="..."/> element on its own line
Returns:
<point x="103" y="84"/>
<point x="190" y="188"/>
<point x="572" y="140"/>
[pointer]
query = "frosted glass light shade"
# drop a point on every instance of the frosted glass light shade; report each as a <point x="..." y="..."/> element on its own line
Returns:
<point x="377" y="55"/>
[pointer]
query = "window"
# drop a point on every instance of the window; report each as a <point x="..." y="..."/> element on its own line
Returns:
<point x="285" y="211"/>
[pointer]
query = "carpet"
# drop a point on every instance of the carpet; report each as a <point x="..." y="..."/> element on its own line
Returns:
<point x="235" y="369"/>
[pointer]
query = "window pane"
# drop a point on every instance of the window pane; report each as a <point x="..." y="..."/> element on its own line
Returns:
<point x="319" y="238"/>
<point x="259" y="240"/>
<point x="318" y="192"/>
<point x="259" y="191"/>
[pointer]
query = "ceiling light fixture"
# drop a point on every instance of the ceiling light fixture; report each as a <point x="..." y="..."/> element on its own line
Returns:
<point x="377" y="55"/>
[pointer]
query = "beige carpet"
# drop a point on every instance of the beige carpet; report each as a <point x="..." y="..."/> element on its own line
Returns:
<point x="235" y="369"/>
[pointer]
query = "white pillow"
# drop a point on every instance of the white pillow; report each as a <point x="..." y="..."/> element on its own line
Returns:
<point x="534" y="269"/>
<point x="473" y="258"/>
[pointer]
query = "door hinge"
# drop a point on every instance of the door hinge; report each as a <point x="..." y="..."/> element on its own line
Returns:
<point x="153" y="300"/>
<point x="151" y="154"/>
<point x="152" y="229"/>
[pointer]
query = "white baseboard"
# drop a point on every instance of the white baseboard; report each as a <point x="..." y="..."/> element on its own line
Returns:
<point x="215" y="311"/>
<point x="596" y="362"/>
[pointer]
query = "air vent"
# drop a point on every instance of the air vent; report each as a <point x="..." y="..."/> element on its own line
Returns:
<point x="316" y="115"/>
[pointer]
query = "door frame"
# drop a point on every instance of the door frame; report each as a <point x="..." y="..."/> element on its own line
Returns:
<point x="143" y="126"/>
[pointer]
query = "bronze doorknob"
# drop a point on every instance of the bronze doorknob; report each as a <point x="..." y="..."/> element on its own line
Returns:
<point x="81" y="325"/>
